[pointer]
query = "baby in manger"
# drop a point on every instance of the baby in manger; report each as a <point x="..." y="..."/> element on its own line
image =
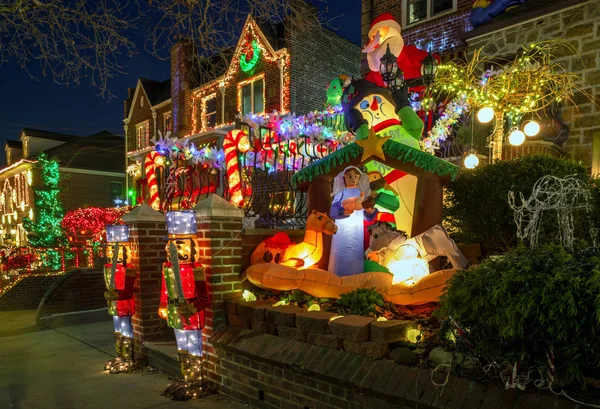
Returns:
<point x="407" y="258"/>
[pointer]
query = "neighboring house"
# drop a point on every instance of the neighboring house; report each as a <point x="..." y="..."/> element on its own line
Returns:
<point x="271" y="69"/>
<point x="576" y="21"/>
<point x="91" y="170"/>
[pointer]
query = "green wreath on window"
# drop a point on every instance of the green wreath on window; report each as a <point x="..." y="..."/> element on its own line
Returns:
<point x="245" y="64"/>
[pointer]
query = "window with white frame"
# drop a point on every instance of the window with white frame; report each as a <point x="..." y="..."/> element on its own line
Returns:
<point x="167" y="122"/>
<point x="252" y="96"/>
<point x="142" y="131"/>
<point x="141" y="101"/>
<point x="416" y="11"/>
<point x="210" y="111"/>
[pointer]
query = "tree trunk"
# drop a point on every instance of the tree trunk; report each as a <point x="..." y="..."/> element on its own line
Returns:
<point x="498" y="136"/>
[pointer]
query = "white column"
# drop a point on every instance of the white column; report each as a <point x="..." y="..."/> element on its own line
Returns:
<point x="281" y="64"/>
<point x="154" y="119"/>
<point x="222" y="89"/>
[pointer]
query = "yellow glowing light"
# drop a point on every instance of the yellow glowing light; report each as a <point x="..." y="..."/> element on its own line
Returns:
<point x="408" y="271"/>
<point x="471" y="161"/>
<point x="412" y="335"/>
<point x="335" y="318"/>
<point x="516" y="138"/>
<point x="531" y="128"/>
<point x="248" y="296"/>
<point x="485" y="115"/>
<point x="31" y="214"/>
<point x="314" y="307"/>
<point x="159" y="161"/>
<point x="381" y="319"/>
<point x="13" y="232"/>
<point x="279" y="303"/>
<point x="29" y="177"/>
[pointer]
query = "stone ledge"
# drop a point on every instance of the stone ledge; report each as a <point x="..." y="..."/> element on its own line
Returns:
<point x="382" y="382"/>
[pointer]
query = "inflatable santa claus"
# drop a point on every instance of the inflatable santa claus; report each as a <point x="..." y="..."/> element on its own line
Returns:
<point x="385" y="31"/>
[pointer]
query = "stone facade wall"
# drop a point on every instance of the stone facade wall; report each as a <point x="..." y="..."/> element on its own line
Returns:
<point x="579" y="26"/>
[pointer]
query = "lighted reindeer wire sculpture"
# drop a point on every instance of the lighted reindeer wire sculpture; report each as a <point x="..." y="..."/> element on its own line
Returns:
<point x="564" y="197"/>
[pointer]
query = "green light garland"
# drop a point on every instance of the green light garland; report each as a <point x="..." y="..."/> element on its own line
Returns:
<point x="248" y="65"/>
<point x="45" y="230"/>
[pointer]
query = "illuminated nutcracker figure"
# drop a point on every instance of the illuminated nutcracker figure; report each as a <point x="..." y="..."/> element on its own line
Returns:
<point x="119" y="277"/>
<point x="183" y="298"/>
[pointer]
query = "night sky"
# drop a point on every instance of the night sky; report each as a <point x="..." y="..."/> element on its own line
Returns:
<point x="42" y="104"/>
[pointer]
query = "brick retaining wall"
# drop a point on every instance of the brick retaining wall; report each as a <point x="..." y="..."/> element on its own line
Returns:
<point x="77" y="290"/>
<point x="266" y="371"/>
<point x="27" y="293"/>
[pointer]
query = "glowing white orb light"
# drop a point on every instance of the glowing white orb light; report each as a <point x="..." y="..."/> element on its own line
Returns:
<point x="471" y="161"/>
<point x="531" y="128"/>
<point x="516" y="138"/>
<point x="485" y="115"/>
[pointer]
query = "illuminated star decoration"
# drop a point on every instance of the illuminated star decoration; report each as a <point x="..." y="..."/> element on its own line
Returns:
<point x="372" y="146"/>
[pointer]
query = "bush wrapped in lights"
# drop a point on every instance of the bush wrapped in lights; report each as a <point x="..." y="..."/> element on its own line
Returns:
<point x="91" y="221"/>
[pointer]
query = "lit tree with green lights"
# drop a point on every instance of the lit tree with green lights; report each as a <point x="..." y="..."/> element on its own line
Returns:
<point x="45" y="230"/>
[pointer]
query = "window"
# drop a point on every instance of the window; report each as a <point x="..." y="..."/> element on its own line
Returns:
<point x="142" y="101"/>
<point x="167" y="122"/>
<point x="420" y="10"/>
<point x="143" y="134"/>
<point x="116" y="193"/>
<point x="252" y="96"/>
<point x="210" y="111"/>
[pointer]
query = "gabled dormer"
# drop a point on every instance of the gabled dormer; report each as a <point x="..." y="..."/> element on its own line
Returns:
<point x="35" y="141"/>
<point x="13" y="150"/>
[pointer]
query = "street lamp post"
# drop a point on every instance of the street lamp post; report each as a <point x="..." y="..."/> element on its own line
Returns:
<point x="391" y="74"/>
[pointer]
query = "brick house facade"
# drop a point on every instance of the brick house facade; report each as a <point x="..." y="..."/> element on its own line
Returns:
<point x="577" y="21"/>
<point x="91" y="174"/>
<point x="292" y="72"/>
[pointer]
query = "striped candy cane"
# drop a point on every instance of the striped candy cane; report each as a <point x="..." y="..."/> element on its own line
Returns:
<point x="150" y="169"/>
<point x="235" y="140"/>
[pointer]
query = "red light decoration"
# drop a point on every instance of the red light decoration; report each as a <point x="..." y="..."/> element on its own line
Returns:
<point x="91" y="220"/>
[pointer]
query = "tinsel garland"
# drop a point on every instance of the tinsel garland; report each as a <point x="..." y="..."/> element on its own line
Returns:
<point x="391" y="149"/>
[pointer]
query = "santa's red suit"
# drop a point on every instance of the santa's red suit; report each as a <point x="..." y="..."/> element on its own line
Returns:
<point x="385" y="31"/>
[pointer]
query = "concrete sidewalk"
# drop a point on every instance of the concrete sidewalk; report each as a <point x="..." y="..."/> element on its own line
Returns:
<point x="62" y="368"/>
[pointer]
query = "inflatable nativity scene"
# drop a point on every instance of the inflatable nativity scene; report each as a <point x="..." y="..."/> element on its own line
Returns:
<point x="375" y="205"/>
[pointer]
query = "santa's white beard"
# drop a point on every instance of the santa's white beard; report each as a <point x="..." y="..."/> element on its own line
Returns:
<point x="374" y="57"/>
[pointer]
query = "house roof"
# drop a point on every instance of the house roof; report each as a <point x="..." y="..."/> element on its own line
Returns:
<point x="157" y="91"/>
<point x="102" y="151"/>
<point x="14" y="144"/>
<point x="398" y="156"/>
<point x="528" y="10"/>
<point x="56" y="136"/>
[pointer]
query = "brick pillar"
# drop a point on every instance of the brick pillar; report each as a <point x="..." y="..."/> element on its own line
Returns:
<point x="220" y="246"/>
<point x="147" y="237"/>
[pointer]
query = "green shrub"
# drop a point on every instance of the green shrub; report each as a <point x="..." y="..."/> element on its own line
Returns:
<point x="514" y="306"/>
<point x="360" y="302"/>
<point x="476" y="208"/>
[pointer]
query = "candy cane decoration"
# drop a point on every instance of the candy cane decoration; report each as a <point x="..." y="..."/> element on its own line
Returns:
<point x="235" y="140"/>
<point x="149" y="167"/>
